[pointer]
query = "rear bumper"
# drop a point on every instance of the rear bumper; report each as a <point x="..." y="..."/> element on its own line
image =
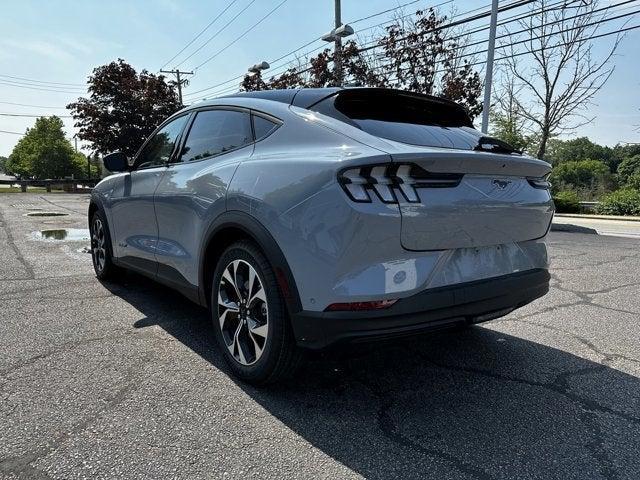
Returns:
<point x="436" y="308"/>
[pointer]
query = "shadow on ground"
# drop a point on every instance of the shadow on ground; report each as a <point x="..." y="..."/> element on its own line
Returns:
<point x="472" y="404"/>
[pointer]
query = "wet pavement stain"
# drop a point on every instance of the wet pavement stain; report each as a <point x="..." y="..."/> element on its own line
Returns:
<point x="62" y="234"/>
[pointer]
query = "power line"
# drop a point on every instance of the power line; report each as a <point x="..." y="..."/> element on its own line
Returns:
<point x="599" y="21"/>
<point x="199" y="34"/>
<point x="358" y="20"/>
<point x="32" y="116"/>
<point x="12" y="133"/>
<point x="216" y="34"/>
<point x="44" y="89"/>
<point x="323" y="46"/>
<point x="27" y="105"/>
<point x="243" y="34"/>
<point x="527" y="52"/>
<point x="479" y="16"/>
<point x="42" y="81"/>
<point x="504" y="57"/>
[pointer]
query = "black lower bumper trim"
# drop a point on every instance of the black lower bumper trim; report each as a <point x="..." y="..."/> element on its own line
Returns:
<point x="436" y="308"/>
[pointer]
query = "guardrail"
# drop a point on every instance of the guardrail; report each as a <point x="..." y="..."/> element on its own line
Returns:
<point x="589" y="206"/>
<point x="71" y="185"/>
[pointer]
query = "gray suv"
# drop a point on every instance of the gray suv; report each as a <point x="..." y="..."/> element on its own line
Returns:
<point x="306" y="218"/>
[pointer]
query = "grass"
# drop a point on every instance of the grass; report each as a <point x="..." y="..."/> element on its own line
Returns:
<point x="29" y="190"/>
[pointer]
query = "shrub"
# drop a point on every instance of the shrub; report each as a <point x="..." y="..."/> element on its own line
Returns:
<point x="633" y="181"/>
<point x="567" y="201"/>
<point x="590" y="177"/>
<point x="620" y="202"/>
<point x="628" y="167"/>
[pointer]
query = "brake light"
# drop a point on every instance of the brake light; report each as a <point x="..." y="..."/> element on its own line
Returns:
<point x="359" y="306"/>
<point x="540" y="182"/>
<point x="392" y="183"/>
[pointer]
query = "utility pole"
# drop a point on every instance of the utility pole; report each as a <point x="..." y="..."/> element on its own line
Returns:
<point x="337" y="50"/>
<point x="488" y="79"/>
<point x="179" y="81"/>
<point x="335" y="36"/>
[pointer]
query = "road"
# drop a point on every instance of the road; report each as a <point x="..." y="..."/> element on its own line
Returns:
<point x="618" y="228"/>
<point x="122" y="381"/>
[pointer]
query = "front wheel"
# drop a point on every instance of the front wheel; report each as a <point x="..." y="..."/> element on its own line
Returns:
<point x="249" y="317"/>
<point x="101" y="252"/>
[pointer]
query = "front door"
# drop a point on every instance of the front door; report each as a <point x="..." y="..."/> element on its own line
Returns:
<point x="133" y="212"/>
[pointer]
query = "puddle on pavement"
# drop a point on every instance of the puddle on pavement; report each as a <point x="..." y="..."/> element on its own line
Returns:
<point x="63" y="234"/>
<point x="46" y="214"/>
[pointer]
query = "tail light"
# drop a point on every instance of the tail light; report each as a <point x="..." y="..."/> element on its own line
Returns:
<point x="393" y="183"/>
<point x="540" y="182"/>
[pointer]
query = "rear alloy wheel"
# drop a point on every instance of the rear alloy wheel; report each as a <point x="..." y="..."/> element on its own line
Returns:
<point x="243" y="312"/>
<point x="249" y="316"/>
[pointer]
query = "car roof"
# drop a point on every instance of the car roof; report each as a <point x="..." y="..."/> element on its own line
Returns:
<point x="299" y="97"/>
<point x="306" y="97"/>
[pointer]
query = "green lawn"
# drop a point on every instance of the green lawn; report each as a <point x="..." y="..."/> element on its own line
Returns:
<point x="29" y="190"/>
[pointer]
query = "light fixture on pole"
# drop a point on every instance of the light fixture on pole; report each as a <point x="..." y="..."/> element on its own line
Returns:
<point x="340" y="32"/>
<point x="258" y="67"/>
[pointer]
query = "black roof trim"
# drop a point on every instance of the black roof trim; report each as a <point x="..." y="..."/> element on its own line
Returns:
<point x="307" y="97"/>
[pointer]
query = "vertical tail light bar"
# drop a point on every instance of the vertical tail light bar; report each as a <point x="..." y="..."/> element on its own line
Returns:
<point x="392" y="183"/>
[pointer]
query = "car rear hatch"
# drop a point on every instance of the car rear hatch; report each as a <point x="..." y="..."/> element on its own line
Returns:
<point x="455" y="187"/>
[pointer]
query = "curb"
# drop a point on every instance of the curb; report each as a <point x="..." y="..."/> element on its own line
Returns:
<point x="598" y="217"/>
<point x="567" y="227"/>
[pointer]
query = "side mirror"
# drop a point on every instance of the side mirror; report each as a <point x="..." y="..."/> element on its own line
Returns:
<point x="116" y="162"/>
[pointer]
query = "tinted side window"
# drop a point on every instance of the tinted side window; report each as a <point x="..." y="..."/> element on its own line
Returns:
<point x="216" y="131"/>
<point x="262" y="127"/>
<point x="158" y="150"/>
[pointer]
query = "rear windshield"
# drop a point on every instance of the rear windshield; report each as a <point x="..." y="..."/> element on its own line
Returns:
<point x="403" y="117"/>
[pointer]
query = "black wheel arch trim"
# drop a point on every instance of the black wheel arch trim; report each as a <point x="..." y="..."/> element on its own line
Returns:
<point x="248" y="224"/>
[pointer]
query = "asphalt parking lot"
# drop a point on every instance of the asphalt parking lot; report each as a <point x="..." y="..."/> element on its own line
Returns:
<point x="123" y="381"/>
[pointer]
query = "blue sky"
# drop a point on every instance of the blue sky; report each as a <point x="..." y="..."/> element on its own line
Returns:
<point x="61" y="41"/>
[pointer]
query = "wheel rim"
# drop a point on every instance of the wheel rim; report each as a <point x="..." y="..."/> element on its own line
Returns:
<point x="98" y="251"/>
<point x="243" y="313"/>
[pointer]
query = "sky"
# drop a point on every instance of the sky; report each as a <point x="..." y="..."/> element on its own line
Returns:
<point x="61" y="41"/>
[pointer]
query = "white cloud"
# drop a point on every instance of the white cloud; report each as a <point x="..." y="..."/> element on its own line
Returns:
<point x="39" y="47"/>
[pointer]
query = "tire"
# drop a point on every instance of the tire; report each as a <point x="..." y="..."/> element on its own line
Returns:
<point x="101" y="251"/>
<point x="251" y="323"/>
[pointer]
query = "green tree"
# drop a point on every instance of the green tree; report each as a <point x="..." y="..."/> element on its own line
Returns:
<point x="628" y="167"/>
<point x="559" y="151"/>
<point x="590" y="178"/>
<point x="3" y="164"/>
<point x="508" y="129"/>
<point x="44" y="152"/>
<point x="123" y="107"/>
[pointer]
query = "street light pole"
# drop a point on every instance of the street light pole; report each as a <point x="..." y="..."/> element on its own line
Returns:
<point x="335" y="36"/>
<point x="337" y="51"/>
<point x="488" y="79"/>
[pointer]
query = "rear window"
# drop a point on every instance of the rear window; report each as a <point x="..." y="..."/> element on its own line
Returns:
<point x="403" y="117"/>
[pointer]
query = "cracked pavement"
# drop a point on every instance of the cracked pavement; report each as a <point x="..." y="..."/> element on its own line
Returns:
<point x="123" y="381"/>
